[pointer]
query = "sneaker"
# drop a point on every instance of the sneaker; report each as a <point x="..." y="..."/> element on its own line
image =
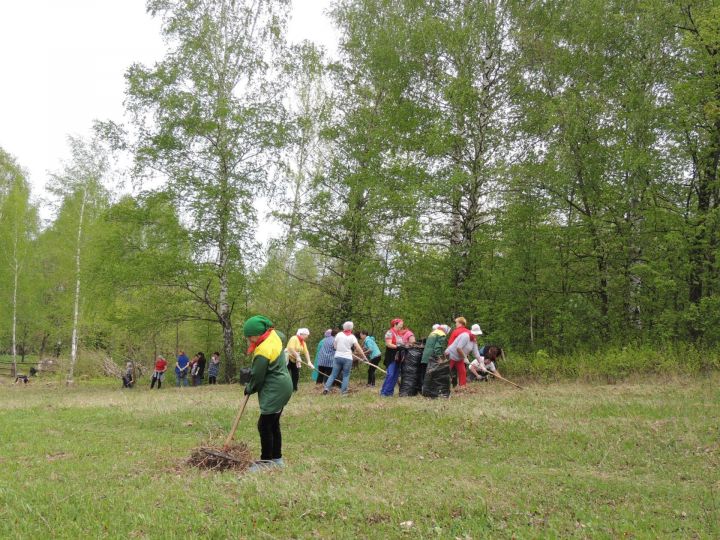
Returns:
<point x="325" y="391"/>
<point x="261" y="466"/>
<point x="279" y="462"/>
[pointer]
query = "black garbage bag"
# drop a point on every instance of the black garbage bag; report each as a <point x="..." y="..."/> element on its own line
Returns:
<point x="410" y="371"/>
<point x="437" y="378"/>
<point x="245" y="375"/>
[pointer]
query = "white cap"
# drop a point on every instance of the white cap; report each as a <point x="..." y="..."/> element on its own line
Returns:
<point x="436" y="326"/>
<point x="475" y="330"/>
<point x="302" y="332"/>
<point x="348" y="325"/>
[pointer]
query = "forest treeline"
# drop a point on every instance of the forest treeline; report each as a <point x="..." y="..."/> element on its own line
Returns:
<point x="548" y="169"/>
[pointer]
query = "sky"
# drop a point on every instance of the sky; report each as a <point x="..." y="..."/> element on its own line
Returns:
<point x="63" y="63"/>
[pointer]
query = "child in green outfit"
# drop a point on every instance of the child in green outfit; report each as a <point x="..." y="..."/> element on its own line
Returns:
<point x="271" y="381"/>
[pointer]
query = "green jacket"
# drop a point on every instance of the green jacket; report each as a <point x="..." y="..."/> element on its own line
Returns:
<point x="269" y="375"/>
<point x="435" y="346"/>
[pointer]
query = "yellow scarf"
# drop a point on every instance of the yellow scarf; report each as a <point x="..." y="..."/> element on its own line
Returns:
<point x="270" y="348"/>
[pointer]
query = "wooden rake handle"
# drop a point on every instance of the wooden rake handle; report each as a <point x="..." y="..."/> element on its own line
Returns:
<point x="504" y="379"/>
<point x="381" y="370"/>
<point x="236" y="422"/>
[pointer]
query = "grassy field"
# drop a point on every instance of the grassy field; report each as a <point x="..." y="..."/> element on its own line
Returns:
<point x="639" y="459"/>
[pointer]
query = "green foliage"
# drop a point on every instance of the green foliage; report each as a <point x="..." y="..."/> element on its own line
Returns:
<point x="614" y="363"/>
<point x="547" y="169"/>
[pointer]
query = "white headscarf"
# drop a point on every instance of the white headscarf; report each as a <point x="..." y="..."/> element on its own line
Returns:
<point x="302" y="332"/>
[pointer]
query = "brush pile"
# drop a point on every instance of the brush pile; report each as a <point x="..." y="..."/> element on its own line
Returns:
<point x="111" y="369"/>
<point x="236" y="457"/>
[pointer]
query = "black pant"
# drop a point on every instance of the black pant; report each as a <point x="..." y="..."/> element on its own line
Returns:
<point x="212" y="379"/>
<point x="270" y="436"/>
<point x="371" y="370"/>
<point x="324" y="374"/>
<point x="294" y="374"/>
<point x="153" y="380"/>
<point x="127" y="382"/>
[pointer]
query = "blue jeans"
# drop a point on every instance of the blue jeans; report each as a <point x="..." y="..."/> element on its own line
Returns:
<point x="339" y="364"/>
<point x="391" y="379"/>
<point x="182" y="378"/>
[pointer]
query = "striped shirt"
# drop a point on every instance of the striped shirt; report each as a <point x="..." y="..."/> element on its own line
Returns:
<point x="325" y="353"/>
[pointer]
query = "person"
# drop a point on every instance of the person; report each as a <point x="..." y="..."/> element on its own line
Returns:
<point x="214" y="368"/>
<point x="192" y="368"/>
<point x="372" y="351"/>
<point x="464" y="344"/>
<point x="199" y="369"/>
<point x="325" y="356"/>
<point x="182" y="366"/>
<point x="159" y="373"/>
<point x="345" y="342"/>
<point x="435" y="346"/>
<point x="460" y="327"/>
<point x="296" y="346"/>
<point x="490" y="355"/>
<point x="270" y="380"/>
<point x="128" y="379"/>
<point x="396" y="340"/>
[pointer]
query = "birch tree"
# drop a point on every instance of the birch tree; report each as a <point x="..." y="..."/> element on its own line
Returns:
<point x="209" y="119"/>
<point x="18" y="224"/>
<point x="80" y="186"/>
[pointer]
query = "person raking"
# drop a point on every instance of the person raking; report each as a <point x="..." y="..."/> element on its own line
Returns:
<point x="271" y="381"/>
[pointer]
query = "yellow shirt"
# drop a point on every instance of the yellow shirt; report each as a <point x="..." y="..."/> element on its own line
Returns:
<point x="294" y="346"/>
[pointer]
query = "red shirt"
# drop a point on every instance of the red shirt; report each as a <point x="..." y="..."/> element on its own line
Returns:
<point x="160" y="365"/>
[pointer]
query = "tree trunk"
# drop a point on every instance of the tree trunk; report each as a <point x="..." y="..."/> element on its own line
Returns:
<point x="224" y="309"/>
<point x="229" y="349"/>
<point x="43" y="345"/>
<point x="14" y="317"/>
<point x="74" y="341"/>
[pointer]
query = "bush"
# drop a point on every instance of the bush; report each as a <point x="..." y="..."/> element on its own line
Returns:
<point x="672" y="358"/>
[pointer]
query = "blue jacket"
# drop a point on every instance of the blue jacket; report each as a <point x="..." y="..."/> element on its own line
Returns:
<point x="371" y="346"/>
<point x="183" y="362"/>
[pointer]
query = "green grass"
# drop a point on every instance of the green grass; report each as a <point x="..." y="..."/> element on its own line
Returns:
<point x="639" y="459"/>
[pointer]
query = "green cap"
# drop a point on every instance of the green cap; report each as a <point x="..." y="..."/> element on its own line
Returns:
<point x="256" y="326"/>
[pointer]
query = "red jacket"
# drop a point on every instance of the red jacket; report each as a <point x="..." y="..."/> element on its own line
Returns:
<point x="160" y="365"/>
<point x="455" y="333"/>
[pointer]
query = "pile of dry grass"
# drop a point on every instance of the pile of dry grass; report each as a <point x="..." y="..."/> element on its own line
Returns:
<point x="237" y="457"/>
<point x="111" y="369"/>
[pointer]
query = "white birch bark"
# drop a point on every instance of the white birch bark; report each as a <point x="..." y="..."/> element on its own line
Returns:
<point x="73" y="346"/>
<point x="16" y="267"/>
